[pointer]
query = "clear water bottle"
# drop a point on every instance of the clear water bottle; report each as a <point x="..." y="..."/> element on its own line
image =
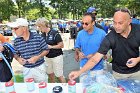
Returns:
<point x="9" y="87"/>
<point x="71" y="86"/>
<point x="30" y="84"/>
<point x="88" y="81"/>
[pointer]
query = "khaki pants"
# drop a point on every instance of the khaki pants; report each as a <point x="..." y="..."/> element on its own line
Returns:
<point x="38" y="73"/>
<point x="135" y="75"/>
<point x="55" y="65"/>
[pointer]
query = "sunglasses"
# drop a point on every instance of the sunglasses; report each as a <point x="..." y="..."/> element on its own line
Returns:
<point x="15" y="28"/>
<point x="85" y="23"/>
<point x="123" y="10"/>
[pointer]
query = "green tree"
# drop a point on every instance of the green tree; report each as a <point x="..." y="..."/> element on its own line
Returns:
<point x="63" y="8"/>
<point x="7" y="9"/>
<point x="32" y="14"/>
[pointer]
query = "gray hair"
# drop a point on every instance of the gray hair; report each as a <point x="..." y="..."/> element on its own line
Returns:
<point x="42" y="21"/>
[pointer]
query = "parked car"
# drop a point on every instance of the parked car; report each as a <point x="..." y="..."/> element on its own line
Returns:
<point x="5" y="30"/>
<point x="2" y="29"/>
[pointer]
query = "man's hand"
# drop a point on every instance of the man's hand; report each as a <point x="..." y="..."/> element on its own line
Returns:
<point x="33" y="59"/>
<point x="21" y="61"/>
<point x="81" y="55"/>
<point x="1" y="48"/>
<point x="76" y="57"/>
<point x="50" y="46"/>
<point x="132" y="62"/>
<point x="74" y="74"/>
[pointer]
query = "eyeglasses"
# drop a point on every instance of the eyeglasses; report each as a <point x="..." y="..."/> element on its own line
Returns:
<point x="85" y="23"/>
<point x="123" y="10"/>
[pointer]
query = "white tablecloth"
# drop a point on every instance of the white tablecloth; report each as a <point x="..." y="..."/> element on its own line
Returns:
<point x="22" y="88"/>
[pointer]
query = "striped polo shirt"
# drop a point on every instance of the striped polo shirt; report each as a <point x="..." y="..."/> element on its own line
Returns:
<point x="32" y="47"/>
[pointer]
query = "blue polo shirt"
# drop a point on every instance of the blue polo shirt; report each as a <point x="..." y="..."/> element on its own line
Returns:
<point x="89" y="44"/>
<point x="27" y="49"/>
<point x="135" y="21"/>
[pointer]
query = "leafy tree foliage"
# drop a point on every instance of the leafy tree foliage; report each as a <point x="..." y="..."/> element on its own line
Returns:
<point x="7" y="9"/>
<point x="63" y="8"/>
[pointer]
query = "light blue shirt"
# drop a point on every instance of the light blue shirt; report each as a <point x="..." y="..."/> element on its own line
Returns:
<point x="89" y="44"/>
<point x="135" y="21"/>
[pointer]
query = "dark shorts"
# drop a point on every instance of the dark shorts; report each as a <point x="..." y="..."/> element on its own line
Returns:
<point x="5" y="73"/>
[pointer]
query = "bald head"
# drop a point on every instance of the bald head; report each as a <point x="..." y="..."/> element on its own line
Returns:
<point x="121" y="21"/>
<point x="122" y="15"/>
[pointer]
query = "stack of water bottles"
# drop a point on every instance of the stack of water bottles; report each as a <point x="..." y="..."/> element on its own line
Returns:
<point x="100" y="83"/>
<point x="106" y="83"/>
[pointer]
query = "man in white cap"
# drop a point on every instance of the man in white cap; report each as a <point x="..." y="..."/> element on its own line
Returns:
<point x="30" y="51"/>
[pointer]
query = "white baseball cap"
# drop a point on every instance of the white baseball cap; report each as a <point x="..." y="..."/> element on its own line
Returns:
<point x="18" y="22"/>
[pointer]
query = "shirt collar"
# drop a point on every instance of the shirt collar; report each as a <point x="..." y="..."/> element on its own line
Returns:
<point x="31" y="35"/>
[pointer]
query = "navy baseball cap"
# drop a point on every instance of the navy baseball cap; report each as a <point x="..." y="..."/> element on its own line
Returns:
<point x="91" y="10"/>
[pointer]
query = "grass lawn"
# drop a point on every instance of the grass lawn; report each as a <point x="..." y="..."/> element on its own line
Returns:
<point x="19" y="79"/>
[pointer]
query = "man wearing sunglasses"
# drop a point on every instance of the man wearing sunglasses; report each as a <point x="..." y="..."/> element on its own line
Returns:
<point x="124" y="41"/>
<point x="94" y="12"/>
<point x="87" y="43"/>
<point x="30" y="50"/>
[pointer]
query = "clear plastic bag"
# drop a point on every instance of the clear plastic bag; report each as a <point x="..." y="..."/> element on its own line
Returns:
<point x="102" y="88"/>
<point x="100" y="83"/>
<point x="106" y="78"/>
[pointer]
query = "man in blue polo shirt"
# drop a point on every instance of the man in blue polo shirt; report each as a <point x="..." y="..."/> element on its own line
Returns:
<point x="135" y="20"/>
<point x="87" y="43"/>
<point x="30" y="51"/>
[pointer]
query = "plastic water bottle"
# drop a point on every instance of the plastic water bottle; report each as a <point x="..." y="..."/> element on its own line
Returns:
<point x="30" y="84"/>
<point x="71" y="86"/>
<point x="42" y="87"/>
<point x="88" y="81"/>
<point x="9" y="87"/>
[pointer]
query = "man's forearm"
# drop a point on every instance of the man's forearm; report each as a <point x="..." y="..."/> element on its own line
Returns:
<point x="77" y="50"/>
<point x="138" y="59"/>
<point x="44" y="53"/>
<point x="58" y="46"/>
<point x="91" y="62"/>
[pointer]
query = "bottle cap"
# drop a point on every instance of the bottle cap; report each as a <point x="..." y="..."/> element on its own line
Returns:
<point x="12" y="92"/>
<point x="29" y="80"/>
<point x="57" y="89"/>
<point x="71" y="82"/>
<point x="10" y="83"/>
<point x="42" y="85"/>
